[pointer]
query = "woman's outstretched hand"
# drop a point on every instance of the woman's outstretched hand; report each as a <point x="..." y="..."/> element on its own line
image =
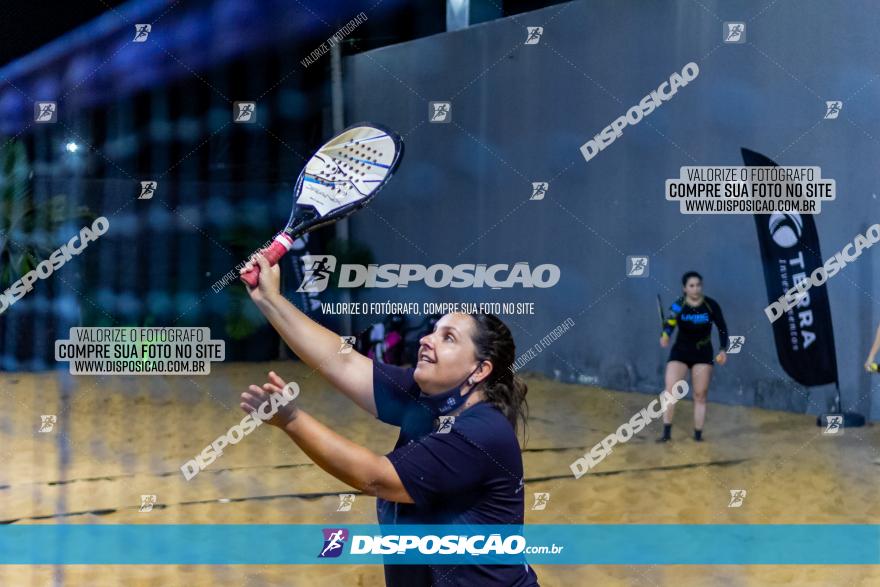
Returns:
<point x="253" y="400"/>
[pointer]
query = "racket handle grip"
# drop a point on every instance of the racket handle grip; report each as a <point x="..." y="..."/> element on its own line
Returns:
<point x="273" y="254"/>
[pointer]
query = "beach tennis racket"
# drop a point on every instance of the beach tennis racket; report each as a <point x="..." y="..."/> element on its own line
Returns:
<point x="660" y="311"/>
<point x="345" y="174"/>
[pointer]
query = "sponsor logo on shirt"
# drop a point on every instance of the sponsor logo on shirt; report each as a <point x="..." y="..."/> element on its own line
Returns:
<point x="695" y="318"/>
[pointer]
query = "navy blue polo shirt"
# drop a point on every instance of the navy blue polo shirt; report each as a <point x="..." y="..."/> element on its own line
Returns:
<point x="469" y="474"/>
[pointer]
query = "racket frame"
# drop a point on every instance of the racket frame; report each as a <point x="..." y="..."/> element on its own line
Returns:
<point x="661" y="312"/>
<point x="284" y="240"/>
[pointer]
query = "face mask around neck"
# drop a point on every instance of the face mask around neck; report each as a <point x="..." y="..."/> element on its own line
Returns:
<point x="443" y="403"/>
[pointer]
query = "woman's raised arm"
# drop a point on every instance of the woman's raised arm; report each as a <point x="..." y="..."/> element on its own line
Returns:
<point x="351" y="373"/>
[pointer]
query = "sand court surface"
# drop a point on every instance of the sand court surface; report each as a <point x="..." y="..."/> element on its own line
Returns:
<point x="118" y="438"/>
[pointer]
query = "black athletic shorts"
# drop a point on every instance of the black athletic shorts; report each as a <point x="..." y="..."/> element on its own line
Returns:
<point x="691" y="356"/>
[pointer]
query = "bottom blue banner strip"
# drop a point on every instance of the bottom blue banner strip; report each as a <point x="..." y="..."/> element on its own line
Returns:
<point x="294" y="544"/>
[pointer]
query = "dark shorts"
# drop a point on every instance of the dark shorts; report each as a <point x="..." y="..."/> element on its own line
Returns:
<point x="691" y="356"/>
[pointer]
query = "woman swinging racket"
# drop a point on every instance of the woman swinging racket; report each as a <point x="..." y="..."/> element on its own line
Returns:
<point x="468" y="473"/>
<point x="694" y="315"/>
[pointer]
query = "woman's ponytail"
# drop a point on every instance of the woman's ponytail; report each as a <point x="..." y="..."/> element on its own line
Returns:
<point x="503" y="388"/>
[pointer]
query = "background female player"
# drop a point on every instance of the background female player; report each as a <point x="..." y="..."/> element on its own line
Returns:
<point x="469" y="473"/>
<point x="694" y="315"/>
<point x="870" y="365"/>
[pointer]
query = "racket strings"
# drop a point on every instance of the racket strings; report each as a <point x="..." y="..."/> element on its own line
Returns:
<point x="352" y="163"/>
<point x="344" y="167"/>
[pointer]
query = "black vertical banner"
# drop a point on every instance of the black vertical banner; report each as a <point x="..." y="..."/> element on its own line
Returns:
<point x="790" y="253"/>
